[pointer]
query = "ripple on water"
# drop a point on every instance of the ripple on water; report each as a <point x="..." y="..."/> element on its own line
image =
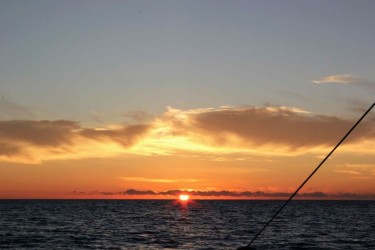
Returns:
<point x="104" y="224"/>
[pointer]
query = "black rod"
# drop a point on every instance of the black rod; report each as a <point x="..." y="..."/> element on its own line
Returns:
<point x="312" y="173"/>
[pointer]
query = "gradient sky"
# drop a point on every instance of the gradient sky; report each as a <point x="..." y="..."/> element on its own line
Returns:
<point x="226" y="99"/>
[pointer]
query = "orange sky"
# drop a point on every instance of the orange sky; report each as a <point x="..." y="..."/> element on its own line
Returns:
<point x="254" y="149"/>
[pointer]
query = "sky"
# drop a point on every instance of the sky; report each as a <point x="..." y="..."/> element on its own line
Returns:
<point x="218" y="99"/>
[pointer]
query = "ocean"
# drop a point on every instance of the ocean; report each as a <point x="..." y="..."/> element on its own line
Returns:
<point x="200" y="224"/>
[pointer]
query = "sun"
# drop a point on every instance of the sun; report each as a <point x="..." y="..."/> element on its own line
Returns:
<point x="184" y="197"/>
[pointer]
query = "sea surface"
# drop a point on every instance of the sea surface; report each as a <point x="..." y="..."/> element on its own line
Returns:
<point x="168" y="224"/>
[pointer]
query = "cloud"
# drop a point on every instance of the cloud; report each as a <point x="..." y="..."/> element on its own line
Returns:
<point x="11" y="110"/>
<point x="138" y="116"/>
<point x="38" y="133"/>
<point x="344" y="79"/>
<point x="234" y="194"/>
<point x="9" y="150"/>
<point x="138" y="192"/>
<point x="142" y="179"/>
<point x="340" y="79"/>
<point x="126" y="135"/>
<point x="357" y="171"/>
<point x="35" y="141"/>
<point x="277" y="128"/>
<point x="223" y="133"/>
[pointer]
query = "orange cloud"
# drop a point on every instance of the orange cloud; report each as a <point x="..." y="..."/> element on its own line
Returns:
<point x="222" y="133"/>
<point x="35" y="141"/>
<point x="125" y="136"/>
<point x="357" y="171"/>
<point x="255" y="130"/>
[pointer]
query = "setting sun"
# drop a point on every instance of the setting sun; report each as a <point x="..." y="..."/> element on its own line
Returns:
<point x="184" y="197"/>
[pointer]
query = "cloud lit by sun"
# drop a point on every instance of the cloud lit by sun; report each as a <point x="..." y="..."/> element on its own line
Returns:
<point x="225" y="131"/>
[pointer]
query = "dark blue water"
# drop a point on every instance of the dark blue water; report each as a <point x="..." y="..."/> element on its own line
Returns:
<point x="163" y="224"/>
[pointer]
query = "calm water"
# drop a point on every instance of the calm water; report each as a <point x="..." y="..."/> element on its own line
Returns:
<point x="155" y="224"/>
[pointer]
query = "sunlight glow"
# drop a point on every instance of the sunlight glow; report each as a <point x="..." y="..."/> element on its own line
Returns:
<point x="184" y="197"/>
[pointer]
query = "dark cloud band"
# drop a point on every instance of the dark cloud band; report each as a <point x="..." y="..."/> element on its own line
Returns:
<point x="233" y="194"/>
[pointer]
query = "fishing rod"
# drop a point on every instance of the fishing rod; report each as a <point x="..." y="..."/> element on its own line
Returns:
<point x="248" y="247"/>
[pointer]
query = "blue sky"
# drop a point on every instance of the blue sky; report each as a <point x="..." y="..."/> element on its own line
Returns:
<point x="79" y="59"/>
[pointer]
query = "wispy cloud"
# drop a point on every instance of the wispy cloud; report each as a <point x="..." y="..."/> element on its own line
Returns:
<point x="345" y="79"/>
<point x="11" y="110"/>
<point x="357" y="171"/>
<point x="141" y="179"/>
<point x="138" y="116"/>
<point x="124" y="135"/>
<point x="234" y="194"/>
<point x="340" y="79"/>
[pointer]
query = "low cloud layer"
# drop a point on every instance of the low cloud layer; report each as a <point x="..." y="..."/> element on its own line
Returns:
<point x="222" y="131"/>
<point x="233" y="194"/>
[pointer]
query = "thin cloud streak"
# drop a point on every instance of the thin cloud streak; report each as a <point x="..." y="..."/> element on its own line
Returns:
<point x="363" y="171"/>
<point x="338" y="79"/>
<point x="141" y="179"/>
<point x="11" y="110"/>
<point x="126" y="135"/>
<point x="345" y="79"/>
